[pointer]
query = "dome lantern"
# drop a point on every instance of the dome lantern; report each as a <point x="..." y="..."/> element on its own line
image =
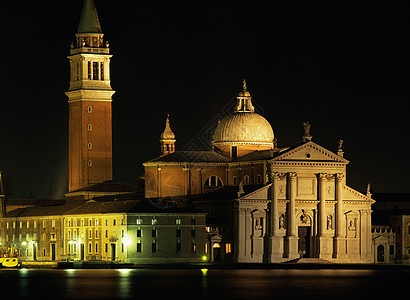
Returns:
<point x="244" y="131"/>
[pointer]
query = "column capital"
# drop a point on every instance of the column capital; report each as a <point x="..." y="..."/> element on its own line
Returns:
<point x="274" y="176"/>
<point x="339" y="176"/>
<point x="292" y="175"/>
<point x="322" y="176"/>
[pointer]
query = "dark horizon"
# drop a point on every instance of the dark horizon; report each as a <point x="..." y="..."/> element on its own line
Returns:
<point x="344" y="68"/>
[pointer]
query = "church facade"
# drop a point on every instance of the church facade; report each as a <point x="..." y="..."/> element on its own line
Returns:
<point x="264" y="203"/>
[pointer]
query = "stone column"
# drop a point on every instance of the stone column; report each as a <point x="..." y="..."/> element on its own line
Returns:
<point x="292" y="247"/>
<point x="276" y="241"/>
<point x="322" y="203"/>
<point x="324" y="242"/>
<point x="339" y="250"/>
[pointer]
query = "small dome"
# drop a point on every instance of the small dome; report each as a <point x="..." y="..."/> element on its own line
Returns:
<point x="167" y="134"/>
<point x="246" y="128"/>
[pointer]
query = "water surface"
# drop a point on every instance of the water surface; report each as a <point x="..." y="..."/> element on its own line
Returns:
<point x="203" y="284"/>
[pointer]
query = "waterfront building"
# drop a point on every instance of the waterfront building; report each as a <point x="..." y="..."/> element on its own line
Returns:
<point x="274" y="203"/>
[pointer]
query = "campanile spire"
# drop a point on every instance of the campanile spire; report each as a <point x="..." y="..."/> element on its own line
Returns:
<point x="89" y="103"/>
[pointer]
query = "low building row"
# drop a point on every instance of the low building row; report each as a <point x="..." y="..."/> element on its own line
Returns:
<point x="134" y="231"/>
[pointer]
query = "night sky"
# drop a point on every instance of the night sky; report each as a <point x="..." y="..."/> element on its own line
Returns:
<point x="343" y="67"/>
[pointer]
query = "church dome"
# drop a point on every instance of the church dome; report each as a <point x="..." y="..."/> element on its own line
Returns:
<point x="246" y="128"/>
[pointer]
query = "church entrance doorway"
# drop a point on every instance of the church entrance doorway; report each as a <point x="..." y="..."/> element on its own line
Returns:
<point x="380" y="253"/>
<point x="304" y="241"/>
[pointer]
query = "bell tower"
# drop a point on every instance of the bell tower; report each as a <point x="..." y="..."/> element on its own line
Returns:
<point x="89" y="104"/>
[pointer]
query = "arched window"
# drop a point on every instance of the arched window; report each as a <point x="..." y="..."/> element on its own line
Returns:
<point x="213" y="181"/>
<point x="246" y="180"/>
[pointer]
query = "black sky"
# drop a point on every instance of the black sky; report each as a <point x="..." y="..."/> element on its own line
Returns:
<point x="343" y="67"/>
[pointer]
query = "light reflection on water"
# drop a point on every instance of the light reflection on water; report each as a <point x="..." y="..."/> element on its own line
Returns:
<point x="203" y="283"/>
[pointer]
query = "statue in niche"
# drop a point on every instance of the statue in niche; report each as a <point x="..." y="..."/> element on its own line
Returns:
<point x="329" y="190"/>
<point x="329" y="222"/>
<point x="303" y="217"/>
<point x="282" y="221"/>
<point x="258" y="223"/>
<point x="351" y="226"/>
<point x="281" y="190"/>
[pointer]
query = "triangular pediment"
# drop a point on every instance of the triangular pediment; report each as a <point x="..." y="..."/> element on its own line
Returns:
<point x="259" y="194"/>
<point x="309" y="151"/>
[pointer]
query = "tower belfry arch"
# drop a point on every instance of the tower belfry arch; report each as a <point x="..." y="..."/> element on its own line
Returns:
<point x="89" y="102"/>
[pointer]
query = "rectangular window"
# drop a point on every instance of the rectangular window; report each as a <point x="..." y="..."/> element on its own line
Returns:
<point x="193" y="232"/>
<point x="21" y="224"/>
<point x="78" y="71"/>
<point x="178" y="246"/>
<point x="96" y="247"/>
<point x="178" y="221"/>
<point x="122" y="221"/>
<point x="96" y="234"/>
<point x="106" y="248"/>
<point x="139" y="232"/>
<point x="106" y="233"/>
<point x="154" y="221"/>
<point x="193" y="246"/>
<point x="154" y="232"/>
<point x="89" y="70"/>
<point x="75" y="247"/>
<point x="95" y="70"/>
<point x="122" y="232"/>
<point x="391" y="249"/>
<point x="234" y="151"/>
<point x="178" y="232"/>
<point x="28" y="224"/>
<point x="228" y="248"/>
<point x="139" y="246"/>
<point x="259" y="179"/>
<point x="90" y="146"/>
<point x="122" y="247"/>
<point x="53" y="223"/>
<point x="113" y="222"/>
<point x="139" y="221"/>
<point x="101" y="71"/>
<point x="193" y="221"/>
<point x="90" y="248"/>
<point x="154" y="246"/>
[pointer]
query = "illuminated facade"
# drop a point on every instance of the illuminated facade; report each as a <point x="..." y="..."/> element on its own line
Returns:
<point x="264" y="203"/>
<point x="89" y="104"/>
<point x="131" y="231"/>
